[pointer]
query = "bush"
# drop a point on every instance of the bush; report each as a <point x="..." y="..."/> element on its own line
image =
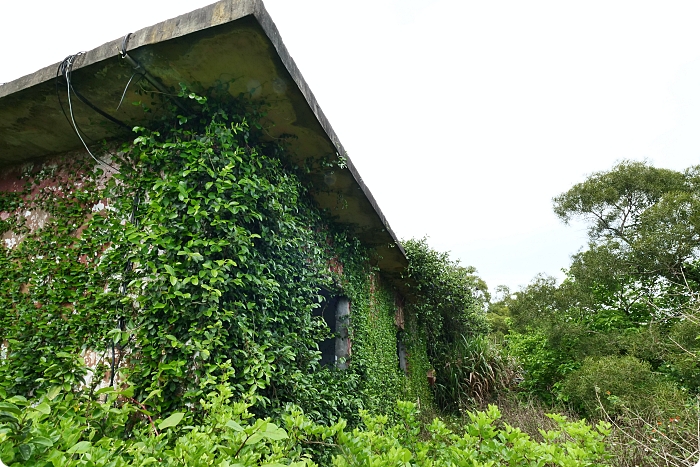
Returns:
<point x="475" y="370"/>
<point x="68" y="430"/>
<point x="449" y="303"/>
<point x="615" y="384"/>
<point x="681" y="353"/>
<point x="542" y="365"/>
<point x="529" y="413"/>
<point x="481" y="443"/>
<point x="637" y="439"/>
<point x="71" y="430"/>
<point x="450" y="299"/>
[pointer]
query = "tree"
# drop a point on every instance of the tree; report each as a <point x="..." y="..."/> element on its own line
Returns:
<point x="630" y="291"/>
<point x="649" y="218"/>
<point x="618" y="338"/>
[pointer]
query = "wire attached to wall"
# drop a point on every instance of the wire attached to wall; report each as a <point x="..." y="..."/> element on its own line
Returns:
<point x="126" y="88"/>
<point x="139" y="69"/>
<point x="65" y="69"/>
<point x="122" y="290"/>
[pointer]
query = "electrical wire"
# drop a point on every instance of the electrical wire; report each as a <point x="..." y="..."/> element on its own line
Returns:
<point x="60" y="102"/>
<point x="98" y="110"/>
<point x="122" y="290"/>
<point x="91" y="105"/>
<point x="127" y="87"/>
<point x="138" y="68"/>
<point x="66" y="69"/>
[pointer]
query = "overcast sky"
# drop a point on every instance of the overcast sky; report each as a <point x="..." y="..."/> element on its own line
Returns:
<point x="463" y="117"/>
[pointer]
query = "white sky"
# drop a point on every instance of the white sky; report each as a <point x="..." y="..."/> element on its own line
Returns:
<point x="464" y="117"/>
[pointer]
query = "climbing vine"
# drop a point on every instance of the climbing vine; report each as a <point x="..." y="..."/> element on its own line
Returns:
<point x="199" y="263"/>
<point x="449" y="310"/>
<point x="165" y="311"/>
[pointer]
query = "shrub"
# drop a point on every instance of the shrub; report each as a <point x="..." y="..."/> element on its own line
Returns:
<point x="474" y="371"/>
<point x="542" y="365"/>
<point x="614" y="384"/>
<point x="481" y="443"/>
<point x="449" y="302"/>
<point x="681" y="353"/>
<point x="65" y="430"/>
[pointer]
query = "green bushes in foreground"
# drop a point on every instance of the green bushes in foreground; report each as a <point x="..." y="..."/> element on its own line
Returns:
<point x="74" y="430"/>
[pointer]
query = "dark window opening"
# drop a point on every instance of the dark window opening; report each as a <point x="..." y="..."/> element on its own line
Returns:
<point x="401" y="352"/>
<point x="335" y="311"/>
<point x="327" y="311"/>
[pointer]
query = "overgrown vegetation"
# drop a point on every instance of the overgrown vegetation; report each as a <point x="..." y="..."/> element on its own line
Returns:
<point x="618" y="338"/>
<point x="199" y="264"/>
<point x="189" y="280"/>
<point x="204" y="261"/>
<point x="64" y="430"/>
<point x="451" y="308"/>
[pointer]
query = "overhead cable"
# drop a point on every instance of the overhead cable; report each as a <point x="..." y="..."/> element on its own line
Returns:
<point x="66" y="69"/>
<point x="146" y="75"/>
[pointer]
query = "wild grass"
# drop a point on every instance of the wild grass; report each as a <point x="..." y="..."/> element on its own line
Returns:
<point x="653" y="438"/>
<point x="474" y="371"/>
<point x="638" y="439"/>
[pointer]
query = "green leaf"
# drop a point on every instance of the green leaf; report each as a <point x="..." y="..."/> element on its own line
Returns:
<point x="81" y="447"/>
<point x="234" y="426"/>
<point x="42" y="441"/>
<point x="127" y="392"/>
<point x="11" y="408"/>
<point x="171" y="421"/>
<point x="53" y="392"/>
<point x="149" y="460"/>
<point x="26" y="451"/>
<point x="255" y="438"/>
<point x="273" y="432"/>
<point x="43" y="408"/>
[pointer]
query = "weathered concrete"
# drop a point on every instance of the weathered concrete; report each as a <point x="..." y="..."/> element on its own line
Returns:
<point x="342" y="341"/>
<point x="234" y="42"/>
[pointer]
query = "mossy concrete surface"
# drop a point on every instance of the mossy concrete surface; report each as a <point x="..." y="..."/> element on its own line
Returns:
<point x="232" y="43"/>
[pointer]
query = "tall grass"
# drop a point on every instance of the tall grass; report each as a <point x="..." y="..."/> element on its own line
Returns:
<point x="474" y="370"/>
<point x="650" y="438"/>
<point x="638" y="438"/>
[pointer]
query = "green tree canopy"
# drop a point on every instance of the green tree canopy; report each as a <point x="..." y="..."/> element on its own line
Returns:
<point x="647" y="218"/>
<point x="628" y="294"/>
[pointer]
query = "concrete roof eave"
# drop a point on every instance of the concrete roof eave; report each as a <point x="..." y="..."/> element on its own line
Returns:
<point x="233" y="42"/>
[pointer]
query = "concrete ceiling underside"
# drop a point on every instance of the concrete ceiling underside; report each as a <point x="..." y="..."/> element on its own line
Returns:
<point x="233" y="43"/>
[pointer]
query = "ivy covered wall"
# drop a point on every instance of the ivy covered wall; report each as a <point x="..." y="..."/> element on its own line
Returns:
<point x="191" y="256"/>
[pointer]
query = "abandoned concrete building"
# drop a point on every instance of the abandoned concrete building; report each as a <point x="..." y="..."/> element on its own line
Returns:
<point x="59" y="114"/>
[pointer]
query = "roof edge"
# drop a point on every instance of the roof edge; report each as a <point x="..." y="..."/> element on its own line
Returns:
<point x="206" y="17"/>
<point x="273" y="34"/>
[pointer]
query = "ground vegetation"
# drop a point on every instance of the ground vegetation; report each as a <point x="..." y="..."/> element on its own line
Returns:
<point x="187" y="266"/>
<point x="617" y="339"/>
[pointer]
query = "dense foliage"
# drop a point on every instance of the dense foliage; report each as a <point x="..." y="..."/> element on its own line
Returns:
<point x="451" y="299"/>
<point x="62" y="430"/>
<point x="450" y="305"/>
<point x="618" y="338"/>
<point x="201" y="262"/>
<point x="190" y="278"/>
<point x="631" y="293"/>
